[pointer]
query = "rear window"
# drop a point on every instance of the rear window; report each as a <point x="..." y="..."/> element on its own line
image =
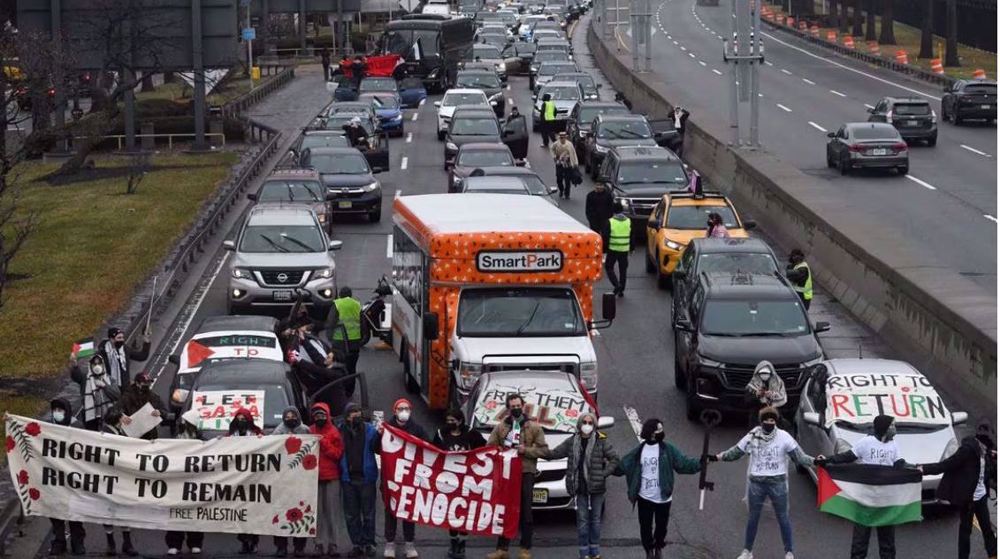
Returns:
<point x="877" y="133"/>
<point x="912" y="109"/>
<point x="981" y="89"/>
<point x="485" y="158"/>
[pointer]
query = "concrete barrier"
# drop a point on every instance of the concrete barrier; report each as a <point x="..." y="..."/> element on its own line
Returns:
<point x="937" y="320"/>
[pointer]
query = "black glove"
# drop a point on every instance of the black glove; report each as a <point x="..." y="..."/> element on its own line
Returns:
<point x="821" y="461"/>
<point x="710" y="458"/>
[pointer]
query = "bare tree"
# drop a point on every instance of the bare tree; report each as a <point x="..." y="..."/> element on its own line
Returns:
<point x="951" y="44"/>
<point x="870" y="21"/>
<point x="886" y="36"/>
<point x="927" y="31"/>
<point x="834" y="16"/>
<point x="843" y="20"/>
<point x="856" y="17"/>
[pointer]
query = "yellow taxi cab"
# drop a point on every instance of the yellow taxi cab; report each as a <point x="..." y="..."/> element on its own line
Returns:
<point x="679" y="217"/>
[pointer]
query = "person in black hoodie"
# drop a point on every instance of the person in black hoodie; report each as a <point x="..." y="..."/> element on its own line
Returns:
<point x="965" y="485"/>
<point x="457" y="437"/>
<point x="112" y="424"/>
<point x="401" y="420"/>
<point x="61" y="413"/>
<point x="600" y="207"/>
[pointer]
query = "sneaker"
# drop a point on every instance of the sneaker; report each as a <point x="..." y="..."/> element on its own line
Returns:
<point x="390" y="550"/>
<point x="498" y="554"/>
<point x="745" y="554"/>
<point x="788" y="555"/>
<point x="411" y="551"/>
<point x="369" y="551"/>
<point x="524" y="553"/>
<point x="173" y="551"/>
<point x="196" y="551"/>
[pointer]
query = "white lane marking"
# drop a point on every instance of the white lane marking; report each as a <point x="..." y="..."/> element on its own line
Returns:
<point x="816" y="126"/>
<point x="388" y="246"/>
<point x="633" y="419"/>
<point x="784" y="71"/>
<point x="716" y="71"/>
<point x="194" y="312"/>
<point x="683" y="48"/>
<point x="675" y="42"/>
<point x="398" y="193"/>
<point x="422" y="101"/>
<point x="768" y="62"/>
<point x="991" y="218"/>
<point x="409" y="137"/>
<point x="974" y="150"/>
<point x="867" y="106"/>
<point x="691" y="54"/>
<point x="848" y="68"/>
<point x="404" y="163"/>
<point x="703" y="63"/>
<point x="415" y="115"/>
<point x="760" y="95"/>
<point x="926" y="185"/>
<point x="784" y="108"/>
<point x="839" y="94"/>
<point x="510" y="100"/>
<point x="808" y="81"/>
<point x="508" y="87"/>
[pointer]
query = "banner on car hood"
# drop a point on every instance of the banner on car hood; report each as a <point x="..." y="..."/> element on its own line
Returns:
<point x="476" y="491"/>
<point x="216" y="408"/>
<point x="552" y="408"/>
<point x="858" y="398"/>
<point x="242" y="485"/>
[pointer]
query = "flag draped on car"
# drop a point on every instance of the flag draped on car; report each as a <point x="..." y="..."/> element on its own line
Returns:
<point x="870" y="495"/>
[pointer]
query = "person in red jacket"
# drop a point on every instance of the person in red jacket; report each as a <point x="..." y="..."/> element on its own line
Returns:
<point x="331" y="448"/>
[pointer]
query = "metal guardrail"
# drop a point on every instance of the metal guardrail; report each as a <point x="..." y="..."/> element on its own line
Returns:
<point x="170" y="137"/>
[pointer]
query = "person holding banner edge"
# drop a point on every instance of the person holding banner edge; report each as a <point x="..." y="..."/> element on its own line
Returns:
<point x="61" y="413"/>
<point x="242" y="425"/>
<point x="457" y="437"/>
<point x="401" y="420"/>
<point x="518" y="431"/>
<point x="188" y="430"/>
<point x="291" y="424"/>
<point x="113" y="425"/>
<point x="358" y="477"/>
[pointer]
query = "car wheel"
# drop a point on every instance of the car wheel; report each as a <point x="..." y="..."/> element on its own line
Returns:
<point x="845" y="166"/>
<point x="904" y="170"/>
<point x="408" y="382"/>
<point x="663" y="281"/>
<point x="375" y="216"/>
<point x="441" y="134"/>
<point x="829" y="160"/>
<point x="932" y="142"/>
<point x="957" y="120"/>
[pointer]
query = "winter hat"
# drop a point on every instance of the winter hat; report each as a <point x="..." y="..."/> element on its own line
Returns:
<point x="114" y="331"/>
<point x="143" y="378"/>
<point x="352" y="407"/>
<point x="881" y="425"/>
<point x="768" y="412"/>
<point x="400" y="402"/>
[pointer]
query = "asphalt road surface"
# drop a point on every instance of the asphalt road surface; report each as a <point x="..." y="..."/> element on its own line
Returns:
<point x="636" y="367"/>
<point x="949" y="198"/>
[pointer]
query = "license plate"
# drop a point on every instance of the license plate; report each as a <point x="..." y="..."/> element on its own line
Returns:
<point x="987" y="107"/>
<point x="539" y="496"/>
<point x="283" y="295"/>
<point x="913" y="123"/>
<point x="345" y="204"/>
<point x="879" y="151"/>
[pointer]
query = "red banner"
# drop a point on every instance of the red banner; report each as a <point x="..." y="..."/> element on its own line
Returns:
<point x="477" y="491"/>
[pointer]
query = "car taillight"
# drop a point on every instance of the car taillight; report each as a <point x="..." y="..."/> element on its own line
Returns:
<point x="899" y="146"/>
<point x="856" y="148"/>
<point x="52" y="92"/>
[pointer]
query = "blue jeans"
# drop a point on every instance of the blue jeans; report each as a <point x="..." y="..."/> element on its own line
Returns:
<point x="359" y="512"/>
<point x="588" y="523"/>
<point x="775" y="487"/>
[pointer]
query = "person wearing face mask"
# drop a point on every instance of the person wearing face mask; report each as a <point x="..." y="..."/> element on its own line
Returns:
<point x="291" y="424"/>
<point x="878" y="448"/>
<point x="358" y="478"/>
<point x="331" y="448"/>
<point x="98" y="392"/>
<point x="112" y="424"/>
<point x="590" y="459"/>
<point x="649" y="472"/>
<point x="242" y="425"/>
<point x="136" y="396"/>
<point x="765" y="389"/>
<point x="61" y="413"/>
<point x="187" y="430"/>
<point x="456" y="436"/>
<point x="716" y="227"/>
<point x="965" y="484"/>
<point x="767" y="445"/>
<point x="401" y="419"/>
<point x="518" y="431"/>
<point x="117" y="355"/>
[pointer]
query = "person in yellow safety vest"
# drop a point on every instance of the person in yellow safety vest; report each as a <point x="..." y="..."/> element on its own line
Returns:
<point x="800" y="275"/>
<point x="619" y="246"/>
<point x="345" y="320"/>
<point x="548" y="119"/>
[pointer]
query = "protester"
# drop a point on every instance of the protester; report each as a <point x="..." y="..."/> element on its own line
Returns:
<point x="619" y="247"/>
<point x="343" y="321"/>
<point x="317" y="368"/>
<point x="99" y="392"/>
<point x="358" y="476"/>
<point x="356" y="134"/>
<point x="965" y="483"/>
<point x="358" y="68"/>
<point x="402" y="410"/>
<point x="566" y="162"/>
<point x="136" y="396"/>
<point x="520" y="432"/>
<point x="324" y="58"/>
<point x="291" y="424"/>
<point x="799" y="273"/>
<point x="457" y="437"/>
<point x="680" y="116"/>
<point x="513" y="115"/>
<point x="716" y="228"/>
<point x="649" y="472"/>
<point x="765" y="389"/>
<point x="767" y="446"/>
<point x="590" y="459"/>
<point x="879" y="449"/>
<point x="188" y="430"/>
<point x="242" y="425"/>
<point x="112" y="423"/>
<point x="600" y="207"/>
<point x="61" y="413"/>
<point x="331" y="449"/>
<point x="117" y="355"/>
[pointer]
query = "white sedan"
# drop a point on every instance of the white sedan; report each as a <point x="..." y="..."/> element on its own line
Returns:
<point x="451" y="100"/>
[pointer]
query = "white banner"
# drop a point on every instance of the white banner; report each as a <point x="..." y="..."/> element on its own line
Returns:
<point x="216" y="408"/>
<point x="249" y="485"/>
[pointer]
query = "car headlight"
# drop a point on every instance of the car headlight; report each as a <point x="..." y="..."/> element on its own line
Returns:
<point x="933" y="117"/>
<point x="468" y="373"/>
<point x="582" y="133"/>
<point x="672" y="245"/>
<point x="708" y="363"/>
<point x="456" y="180"/>
<point x="451" y="146"/>
<point x="433" y="73"/>
<point x="397" y="118"/>
<point x="325" y="273"/>
<point x="950" y="448"/>
<point x="588" y="376"/>
<point x="601" y="149"/>
<point x="370" y="187"/>
<point x="242" y="273"/>
<point x="497" y="97"/>
<point x="841" y="446"/>
<point x="501" y="67"/>
<point x="179" y="395"/>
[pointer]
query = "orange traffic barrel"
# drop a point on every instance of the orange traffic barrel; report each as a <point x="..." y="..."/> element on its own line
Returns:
<point x="790" y="21"/>
<point x="901" y="57"/>
<point x="936" y="66"/>
<point x="979" y="74"/>
<point x="849" y="41"/>
<point x="803" y="26"/>
<point x="815" y="31"/>
<point x="874" y="49"/>
<point x="831" y="36"/>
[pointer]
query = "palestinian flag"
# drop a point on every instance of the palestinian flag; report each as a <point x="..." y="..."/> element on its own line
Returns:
<point x="870" y="495"/>
<point x="84" y="349"/>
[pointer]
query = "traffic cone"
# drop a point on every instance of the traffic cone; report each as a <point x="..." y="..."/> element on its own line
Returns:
<point x="831" y="36"/>
<point x="979" y="74"/>
<point x="790" y="21"/>
<point x="936" y="66"/>
<point x="849" y="42"/>
<point x="814" y="30"/>
<point x="803" y="26"/>
<point x="901" y="57"/>
<point x="874" y="48"/>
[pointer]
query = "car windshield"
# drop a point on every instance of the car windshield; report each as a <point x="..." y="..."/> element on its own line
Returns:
<point x="553" y="69"/>
<point x="588" y="114"/>
<point x="352" y="109"/>
<point x="339" y="164"/>
<point x="555" y="404"/>
<point x="475" y="127"/>
<point x="400" y="41"/>
<point x="646" y="172"/>
<point x="562" y="93"/>
<point x="323" y="141"/>
<point x="624" y="130"/>
<point x="477" y="80"/>
<point x="378" y="84"/>
<point x="338" y="122"/>
<point x="754" y="318"/>
<point x="552" y="55"/>
<point x="282" y="238"/>
<point x="276" y="399"/>
<point x="583" y="79"/>
<point x="383" y="101"/>
<point x="548" y="47"/>
<point x="485" y="158"/>
<point x="485" y="52"/>
<point x="908" y="109"/>
<point x="526" y="311"/>
<point x="981" y="89"/>
<point x="455" y="99"/>
<point x="291" y="191"/>
<point x="885" y="134"/>
<point x="696" y="217"/>
<point x="752" y="263"/>
<point x="508" y="184"/>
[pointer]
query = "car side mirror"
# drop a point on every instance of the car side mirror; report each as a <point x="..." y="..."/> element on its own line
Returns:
<point x="605" y="422"/>
<point x="822" y="327"/>
<point x="335" y="245"/>
<point x="437" y="104"/>
<point x="377" y="170"/>
<point x="252" y="197"/>
<point x="959" y="417"/>
<point x="749" y="224"/>
<point x="520" y="163"/>
<point x="175" y="359"/>
<point x="229" y="245"/>
<point x="831" y="134"/>
<point x="493" y="103"/>
<point x="870" y="110"/>
<point x="609" y="308"/>
<point x="553" y="189"/>
<point x="431" y="327"/>
<point x="811" y="418"/>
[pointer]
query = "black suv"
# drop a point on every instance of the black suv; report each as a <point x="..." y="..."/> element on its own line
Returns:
<point x="349" y="180"/>
<point x="913" y="118"/>
<point x="583" y="115"/>
<point x="488" y="83"/>
<point x="732" y="322"/>
<point x="972" y="99"/>
<point x="639" y="176"/>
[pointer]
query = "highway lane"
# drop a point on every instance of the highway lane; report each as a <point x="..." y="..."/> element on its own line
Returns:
<point x="636" y="356"/>
<point x="949" y="198"/>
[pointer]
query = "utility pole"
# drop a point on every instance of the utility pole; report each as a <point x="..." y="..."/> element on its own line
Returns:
<point x="744" y="53"/>
<point x="249" y="48"/>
